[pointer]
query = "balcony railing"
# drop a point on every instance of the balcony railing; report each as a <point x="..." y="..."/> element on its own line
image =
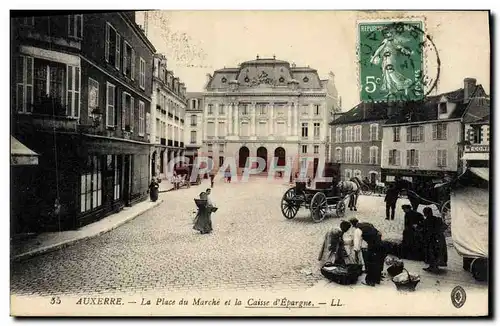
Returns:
<point x="169" y="142"/>
<point x="193" y="124"/>
<point x="163" y="141"/>
<point x="49" y="122"/>
<point x="170" y="115"/>
<point x="158" y="107"/>
<point x="176" y="118"/>
<point x="176" y="143"/>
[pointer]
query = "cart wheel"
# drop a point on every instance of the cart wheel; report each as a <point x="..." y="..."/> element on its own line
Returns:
<point x="288" y="205"/>
<point x="340" y="210"/>
<point x="319" y="207"/>
<point x="479" y="269"/>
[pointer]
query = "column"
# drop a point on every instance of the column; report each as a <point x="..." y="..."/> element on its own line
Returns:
<point x="295" y="108"/>
<point x="216" y="127"/>
<point x="289" y="120"/>
<point x="252" y="115"/>
<point x="230" y="119"/>
<point x="271" y="119"/>
<point x="236" y="119"/>
<point x="205" y="123"/>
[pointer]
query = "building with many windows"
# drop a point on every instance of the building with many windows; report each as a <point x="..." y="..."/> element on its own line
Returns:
<point x="194" y="125"/>
<point x="81" y="86"/>
<point x="356" y="141"/>
<point x="167" y="117"/>
<point x="424" y="141"/>
<point x="267" y="108"/>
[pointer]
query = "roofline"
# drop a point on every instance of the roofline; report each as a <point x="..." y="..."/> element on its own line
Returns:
<point x="354" y="122"/>
<point x="138" y="31"/>
<point x="421" y="122"/>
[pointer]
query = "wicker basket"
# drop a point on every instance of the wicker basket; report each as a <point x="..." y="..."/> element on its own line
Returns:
<point x="349" y="274"/>
<point x="409" y="285"/>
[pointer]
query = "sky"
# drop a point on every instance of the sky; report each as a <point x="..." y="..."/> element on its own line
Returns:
<point x="198" y="42"/>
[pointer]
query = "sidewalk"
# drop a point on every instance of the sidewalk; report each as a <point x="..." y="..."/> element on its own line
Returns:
<point x="52" y="241"/>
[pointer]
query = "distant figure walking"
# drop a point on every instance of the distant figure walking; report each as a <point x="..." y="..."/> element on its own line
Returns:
<point x="212" y="178"/>
<point x="391" y="197"/>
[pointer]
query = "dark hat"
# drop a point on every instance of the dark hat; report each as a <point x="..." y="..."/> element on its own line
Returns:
<point x="406" y="206"/>
<point x="354" y="221"/>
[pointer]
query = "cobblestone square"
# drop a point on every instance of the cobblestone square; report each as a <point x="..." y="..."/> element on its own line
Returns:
<point x="252" y="247"/>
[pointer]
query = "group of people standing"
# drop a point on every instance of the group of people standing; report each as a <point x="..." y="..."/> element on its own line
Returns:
<point x="423" y="238"/>
<point x="356" y="243"/>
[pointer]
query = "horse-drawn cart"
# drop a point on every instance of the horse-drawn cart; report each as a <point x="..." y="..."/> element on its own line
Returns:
<point x="321" y="202"/>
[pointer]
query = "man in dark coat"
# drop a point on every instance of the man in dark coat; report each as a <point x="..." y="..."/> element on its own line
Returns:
<point x="391" y="197"/>
<point x="375" y="253"/>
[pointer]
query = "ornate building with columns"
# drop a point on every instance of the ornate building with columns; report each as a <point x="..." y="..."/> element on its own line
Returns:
<point x="268" y="108"/>
<point x="167" y="117"/>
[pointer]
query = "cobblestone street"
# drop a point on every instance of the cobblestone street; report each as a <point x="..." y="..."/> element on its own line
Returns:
<point x="252" y="247"/>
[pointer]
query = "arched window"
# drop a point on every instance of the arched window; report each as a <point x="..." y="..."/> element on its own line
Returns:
<point x="348" y="155"/>
<point x="338" y="154"/>
<point x="357" y="133"/>
<point x="338" y="135"/>
<point x="373" y="176"/>
<point x="348" y="134"/>
<point x="373" y="155"/>
<point x="357" y="154"/>
<point x="193" y="120"/>
<point x="348" y="174"/>
<point x="357" y="174"/>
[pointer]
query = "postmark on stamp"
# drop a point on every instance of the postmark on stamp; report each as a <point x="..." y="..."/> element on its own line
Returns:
<point x="391" y="59"/>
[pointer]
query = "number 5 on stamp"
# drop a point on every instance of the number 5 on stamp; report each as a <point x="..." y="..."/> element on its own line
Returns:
<point x="391" y="61"/>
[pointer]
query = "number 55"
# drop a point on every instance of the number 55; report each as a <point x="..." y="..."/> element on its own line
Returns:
<point x="370" y="80"/>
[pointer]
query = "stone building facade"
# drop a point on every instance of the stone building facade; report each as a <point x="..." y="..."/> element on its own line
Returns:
<point x="167" y="117"/>
<point x="356" y="141"/>
<point x="81" y="87"/>
<point x="193" y="134"/>
<point x="267" y="108"/>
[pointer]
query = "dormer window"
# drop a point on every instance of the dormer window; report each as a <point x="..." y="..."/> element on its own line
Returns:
<point x="443" y="108"/>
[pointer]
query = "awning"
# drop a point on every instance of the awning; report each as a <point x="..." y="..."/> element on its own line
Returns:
<point x="20" y="154"/>
<point x="476" y="156"/>
<point x="483" y="173"/>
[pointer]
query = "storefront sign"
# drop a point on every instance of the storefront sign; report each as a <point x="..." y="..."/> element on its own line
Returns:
<point x="403" y="173"/>
<point x="477" y="148"/>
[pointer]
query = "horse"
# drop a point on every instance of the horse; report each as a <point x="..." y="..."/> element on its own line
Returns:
<point x="424" y="194"/>
<point x="351" y="188"/>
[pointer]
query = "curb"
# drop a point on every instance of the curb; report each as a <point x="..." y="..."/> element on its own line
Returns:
<point x="67" y="243"/>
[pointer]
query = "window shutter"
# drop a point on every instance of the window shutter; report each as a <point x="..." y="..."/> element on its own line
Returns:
<point x="132" y="66"/>
<point x="408" y="154"/>
<point x="421" y="130"/>
<point x="123" y="110"/>
<point x="124" y="58"/>
<point x="132" y="109"/>
<point x="438" y="157"/>
<point x="147" y="122"/>
<point x="398" y="157"/>
<point x="391" y="157"/>
<point x="445" y="131"/>
<point x="117" y="59"/>
<point x="416" y="157"/>
<point x="106" y="46"/>
<point x="434" y="131"/>
<point x="445" y="157"/>
<point x="408" y="134"/>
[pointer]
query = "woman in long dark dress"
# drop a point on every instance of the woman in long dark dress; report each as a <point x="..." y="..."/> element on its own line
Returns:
<point x="436" y="251"/>
<point x="203" y="222"/>
<point x="153" y="190"/>
<point x="413" y="242"/>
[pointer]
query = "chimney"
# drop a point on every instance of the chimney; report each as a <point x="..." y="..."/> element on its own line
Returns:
<point x="469" y="87"/>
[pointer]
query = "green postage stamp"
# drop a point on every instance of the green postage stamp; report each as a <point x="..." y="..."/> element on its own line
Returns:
<point x="391" y="60"/>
